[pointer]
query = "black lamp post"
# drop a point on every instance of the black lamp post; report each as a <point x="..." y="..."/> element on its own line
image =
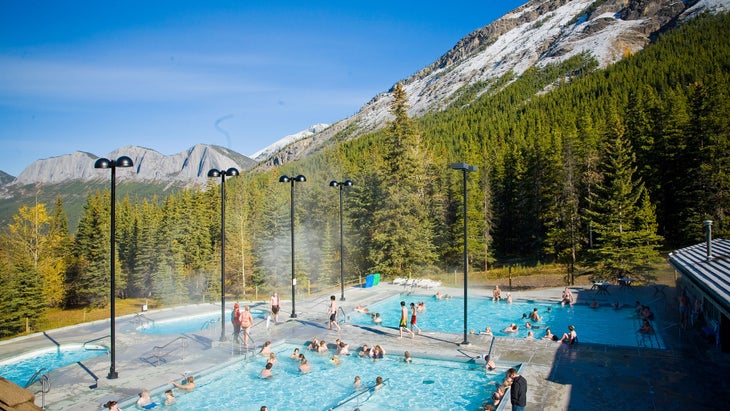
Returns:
<point x="465" y="168"/>
<point x="286" y="179"/>
<point x="346" y="183"/>
<point x="213" y="173"/>
<point x="122" y="161"/>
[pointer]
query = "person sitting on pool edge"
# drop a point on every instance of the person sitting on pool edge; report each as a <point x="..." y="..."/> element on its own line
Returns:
<point x="567" y="297"/>
<point x="189" y="384"/>
<point x="571" y="337"/>
<point x="549" y="335"/>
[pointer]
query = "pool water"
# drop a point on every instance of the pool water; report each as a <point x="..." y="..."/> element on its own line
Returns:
<point x="603" y="325"/>
<point x="190" y="324"/>
<point x="21" y="369"/>
<point x="423" y="384"/>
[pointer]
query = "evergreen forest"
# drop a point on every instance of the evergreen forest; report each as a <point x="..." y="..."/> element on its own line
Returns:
<point x="598" y="170"/>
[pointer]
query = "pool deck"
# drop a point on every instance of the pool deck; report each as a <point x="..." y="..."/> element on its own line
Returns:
<point x="690" y="374"/>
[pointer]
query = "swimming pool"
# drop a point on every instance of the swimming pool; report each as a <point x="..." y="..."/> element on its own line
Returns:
<point x="190" y="324"/>
<point x="22" y="368"/>
<point x="603" y="325"/>
<point x="424" y="384"/>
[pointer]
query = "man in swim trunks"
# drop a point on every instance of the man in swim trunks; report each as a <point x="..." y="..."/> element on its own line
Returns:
<point x="332" y="311"/>
<point x="275" y="305"/>
<point x="404" y="320"/>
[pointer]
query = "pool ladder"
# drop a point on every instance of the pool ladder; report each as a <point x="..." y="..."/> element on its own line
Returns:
<point x="161" y="352"/>
<point x="42" y="377"/>
<point x="142" y="319"/>
<point x="344" y="316"/>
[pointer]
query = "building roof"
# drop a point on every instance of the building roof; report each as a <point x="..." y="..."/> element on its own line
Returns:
<point x="709" y="274"/>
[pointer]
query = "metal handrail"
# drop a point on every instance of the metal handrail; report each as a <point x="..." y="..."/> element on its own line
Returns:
<point x="95" y="340"/>
<point x="37" y="376"/>
<point x="209" y="323"/>
<point x="45" y="385"/>
<point x="157" y="351"/>
<point x="139" y="317"/>
<point x="367" y="390"/>
<point x="344" y="315"/>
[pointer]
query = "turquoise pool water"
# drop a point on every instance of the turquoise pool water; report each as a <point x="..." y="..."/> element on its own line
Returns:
<point x="190" y="324"/>
<point x="21" y="369"/>
<point x="603" y="325"/>
<point x="424" y="384"/>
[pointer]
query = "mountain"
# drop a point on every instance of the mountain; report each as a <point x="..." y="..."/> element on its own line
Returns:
<point x="267" y="152"/>
<point x="538" y="33"/>
<point x="181" y="169"/>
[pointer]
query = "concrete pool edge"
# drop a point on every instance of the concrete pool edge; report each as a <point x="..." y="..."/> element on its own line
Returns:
<point x="557" y="379"/>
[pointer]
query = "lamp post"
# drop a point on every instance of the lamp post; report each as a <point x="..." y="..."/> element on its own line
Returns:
<point x="214" y="173"/>
<point x="341" y="185"/>
<point x="122" y="161"/>
<point x="298" y="179"/>
<point x="465" y="168"/>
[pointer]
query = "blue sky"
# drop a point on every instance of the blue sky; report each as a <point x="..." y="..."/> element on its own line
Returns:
<point x="98" y="75"/>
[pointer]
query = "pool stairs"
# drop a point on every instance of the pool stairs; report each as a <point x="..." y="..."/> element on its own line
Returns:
<point x="162" y="353"/>
<point x="41" y="377"/>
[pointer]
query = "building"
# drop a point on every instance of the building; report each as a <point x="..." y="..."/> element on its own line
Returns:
<point x="704" y="271"/>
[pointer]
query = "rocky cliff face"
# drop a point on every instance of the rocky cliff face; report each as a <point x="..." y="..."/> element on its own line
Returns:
<point x="538" y="33"/>
<point x="188" y="167"/>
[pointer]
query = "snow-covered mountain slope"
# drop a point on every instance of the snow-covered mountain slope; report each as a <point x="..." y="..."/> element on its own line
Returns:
<point x="538" y="33"/>
<point x="267" y="152"/>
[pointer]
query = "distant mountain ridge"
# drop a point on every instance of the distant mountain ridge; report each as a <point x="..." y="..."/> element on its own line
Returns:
<point x="185" y="168"/>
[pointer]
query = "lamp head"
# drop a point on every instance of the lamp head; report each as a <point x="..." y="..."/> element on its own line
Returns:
<point x="284" y="179"/>
<point x="214" y="173"/>
<point x="232" y="172"/>
<point x="300" y="178"/>
<point x="124" y="161"/>
<point x="102" y="163"/>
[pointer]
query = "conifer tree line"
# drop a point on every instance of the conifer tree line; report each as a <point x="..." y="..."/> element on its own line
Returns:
<point x="600" y="173"/>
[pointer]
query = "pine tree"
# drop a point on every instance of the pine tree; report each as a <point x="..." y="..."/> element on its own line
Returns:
<point x="402" y="233"/>
<point x="623" y="219"/>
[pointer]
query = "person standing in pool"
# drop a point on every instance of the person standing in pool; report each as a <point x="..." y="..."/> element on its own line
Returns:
<point x="414" y="319"/>
<point x="332" y="311"/>
<point x="275" y="306"/>
<point x="518" y="390"/>
<point x="403" y="325"/>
